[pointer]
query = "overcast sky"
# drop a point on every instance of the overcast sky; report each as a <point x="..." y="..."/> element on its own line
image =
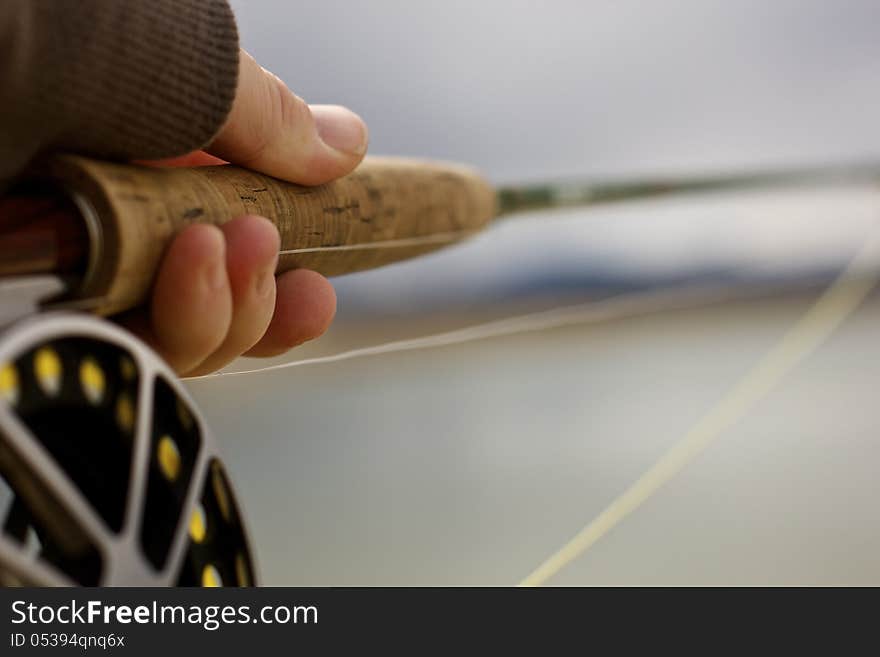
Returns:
<point x="529" y="90"/>
<point x="559" y="87"/>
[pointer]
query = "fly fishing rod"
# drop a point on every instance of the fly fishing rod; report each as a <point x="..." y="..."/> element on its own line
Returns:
<point x="104" y="226"/>
<point x="108" y="472"/>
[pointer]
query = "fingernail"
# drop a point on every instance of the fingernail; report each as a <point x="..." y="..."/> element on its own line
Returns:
<point x="265" y="283"/>
<point x="215" y="275"/>
<point x="214" y="271"/>
<point x="341" y="129"/>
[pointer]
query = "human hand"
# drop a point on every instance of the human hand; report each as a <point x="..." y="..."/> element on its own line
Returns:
<point x="216" y="296"/>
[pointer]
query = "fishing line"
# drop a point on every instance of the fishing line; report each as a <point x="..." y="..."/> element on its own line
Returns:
<point x="840" y="299"/>
<point x="616" y="307"/>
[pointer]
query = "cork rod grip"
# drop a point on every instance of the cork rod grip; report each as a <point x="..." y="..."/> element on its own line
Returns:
<point x="387" y="210"/>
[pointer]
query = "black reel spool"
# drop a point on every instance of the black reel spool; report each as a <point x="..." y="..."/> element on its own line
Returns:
<point x="108" y="474"/>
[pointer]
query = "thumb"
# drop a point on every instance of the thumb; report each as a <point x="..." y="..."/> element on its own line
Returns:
<point x="271" y="130"/>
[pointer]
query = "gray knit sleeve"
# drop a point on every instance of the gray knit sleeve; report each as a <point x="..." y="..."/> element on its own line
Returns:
<point x="121" y="79"/>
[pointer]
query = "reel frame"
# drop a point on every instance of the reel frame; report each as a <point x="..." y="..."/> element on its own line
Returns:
<point x="177" y="522"/>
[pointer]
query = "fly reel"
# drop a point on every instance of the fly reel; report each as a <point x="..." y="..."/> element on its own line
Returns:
<point x="108" y="474"/>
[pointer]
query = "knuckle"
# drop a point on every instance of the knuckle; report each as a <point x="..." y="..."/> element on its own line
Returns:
<point x="282" y="114"/>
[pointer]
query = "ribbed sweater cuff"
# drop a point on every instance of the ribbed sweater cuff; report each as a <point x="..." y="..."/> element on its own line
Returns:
<point x="127" y="78"/>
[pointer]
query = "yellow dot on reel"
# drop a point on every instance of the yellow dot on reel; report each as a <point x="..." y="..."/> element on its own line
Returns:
<point x="125" y="413"/>
<point x="127" y="368"/>
<point x="168" y="456"/>
<point x="220" y="493"/>
<point x="91" y="378"/>
<point x="183" y="414"/>
<point x="198" y="524"/>
<point x="47" y="368"/>
<point x="242" y="572"/>
<point x="211" y="577"/>
<point x="10" y="389"/>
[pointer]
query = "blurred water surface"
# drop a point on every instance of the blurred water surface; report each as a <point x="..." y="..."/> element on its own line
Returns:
<point x="471" y="464"/>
